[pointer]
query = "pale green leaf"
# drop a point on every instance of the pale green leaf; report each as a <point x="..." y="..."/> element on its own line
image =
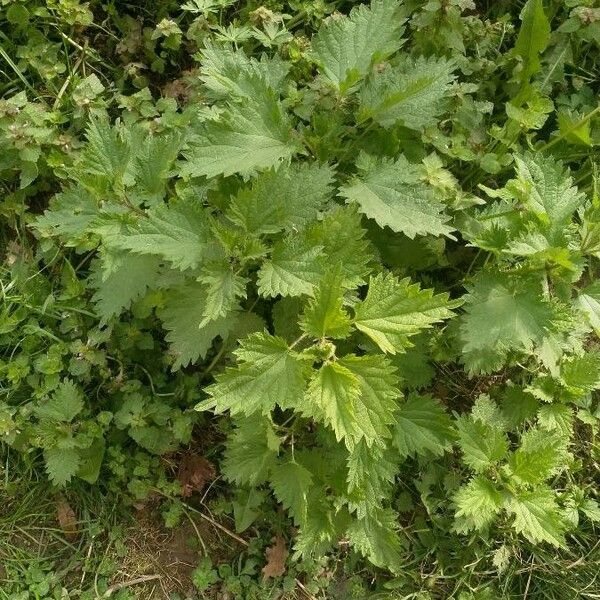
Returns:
<point x="477" y="503"/>
<point x="268" y="374"/>
<point x="412" y="93"/>
<point x="64" y="405"/>
<point x="346" y="47"/>
<point x="291" y="483"/>
<point x="61" y="464"/>
<point x="422" y="427"/>
<point x="534" y="35"/>
<point x="394" y="310"/>
<point x="392" y="193"/>
<point x="482" y="444"/>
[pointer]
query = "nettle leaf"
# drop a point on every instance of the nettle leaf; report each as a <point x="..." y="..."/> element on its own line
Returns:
<point x="227" y="71"/>
<point x="251" y="451"/>
<point x="375" y="537"/>
<point x="347" y="47"/>
<point x="502" y="316"/>
<point x="422" y="427"/>
<point x="482" y="444"/>
<point x="283" y="199"/>
<point x="62" y="464"/>
<point x="537" y="516"/>
<point x="412" y="93"/>
<point x="588" y="302"/>
<point x="324" y="315"/>
<point x="371" y="473"/>
<point x="392" y="193"/>
<point x="548" y="191"/>
<point x="268" y="374"/>
<point x="253" y="135"/>
<point x="119" y="280"/>
<point x="179" y="234"/>
<point x="293" y="269"/>
<point x="182" y="316"/>
<point x="64" y="405"/>
<point x="291" y="483"/>
<point x="581" y="374"/>
<point x="541" y="454"/>
<point x="477" y="503"/>
<point x="394" y="310"/>
<point x="223" y="288"/>
<point x="355" y="396"/>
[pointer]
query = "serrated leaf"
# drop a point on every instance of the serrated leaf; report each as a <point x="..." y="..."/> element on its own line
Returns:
<point x="537" y="516"/>
<point x="268" y="374"/>
<point x="61" y="464"/>
<point x="482" y="444"/>
<point x="179" y="234"/>
<point x="422" y="427"/>
<point x="376" y="538"/>
<point x="251" y="451"/>
<point x="477" y="503"/>
<point x="522" y="318"/>
<point x="294" y="268"/>
<point x="291" y="483"/>
<point x="534" y="35"/>
<point x="64" y="405"/>
<point x="126" y="279"/>
<point x="223" y="288"/>
<point x="394" y="310"/>
<point x="245" y="508"/>
<point x="581" y="374"/>
<point x="392" y="193"/>
<point x="228" y="71"/>
<point x="413" y="93"/>
<point x="182" y="315"/>
<point x="588" y="301"/>
<point x="283" y="199"/>
<point x="253" y="135"/>
<point x="370" y="475"/>
<point x="324" y="315"/>
<point x="548" y="191"/>
<point x="347" y="47"/>
<point x="540" y="455"/>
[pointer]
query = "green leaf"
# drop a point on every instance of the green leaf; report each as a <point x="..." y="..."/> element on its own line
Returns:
<point x="223" y="288"/>
<point x="477" y="503"/>
<point x="534" y="35"/>
<point x="179" y="234"/>
<point x="347" y="47"/>
<point x="251" y="451"/>
<point x="502" y="316"/>
<point x="246" y="507"/>
<point x="253" y="135"/>
<point x="376" y="538"/>
<point x="291" y="483"/>
<point x="284" y="199"/>
<point x="394" y="310"/>
<point x="392" y="193"/>
<point x="422" y="427"/>
<point x="66" y="403"/>
<point x="324" y="315"/>
<point x="294" y="268"/>
<point x="537" y="516"/>
<point x="61" y="464"/>
<point x="119" y="280"/>
<point x="268" y="374"/>
<point x="413" y="93"/>
<point x="588" y="302"/>
<point x="227" y="71"/>
<point x="548" y="191"/>
<point x="482" y="444"/>
<point x="371" y="473"/>
<point x="182" y="315"/>
<point x="581" y="374"/>
<point x="541" y="455"/>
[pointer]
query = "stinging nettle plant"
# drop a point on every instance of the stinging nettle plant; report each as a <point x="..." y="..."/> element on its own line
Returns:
<point x="276" y="219"/>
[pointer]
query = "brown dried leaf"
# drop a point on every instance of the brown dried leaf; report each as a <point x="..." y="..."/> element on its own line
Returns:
<point x="67" y="519"/>
<point x="276" y="556"/>
<point x="194" y="473"/>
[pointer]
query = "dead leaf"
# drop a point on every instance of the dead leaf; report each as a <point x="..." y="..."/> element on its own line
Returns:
<point x="276" y="556"/>
<point x="67" y="519"/>
<point x="194" y="473"/>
